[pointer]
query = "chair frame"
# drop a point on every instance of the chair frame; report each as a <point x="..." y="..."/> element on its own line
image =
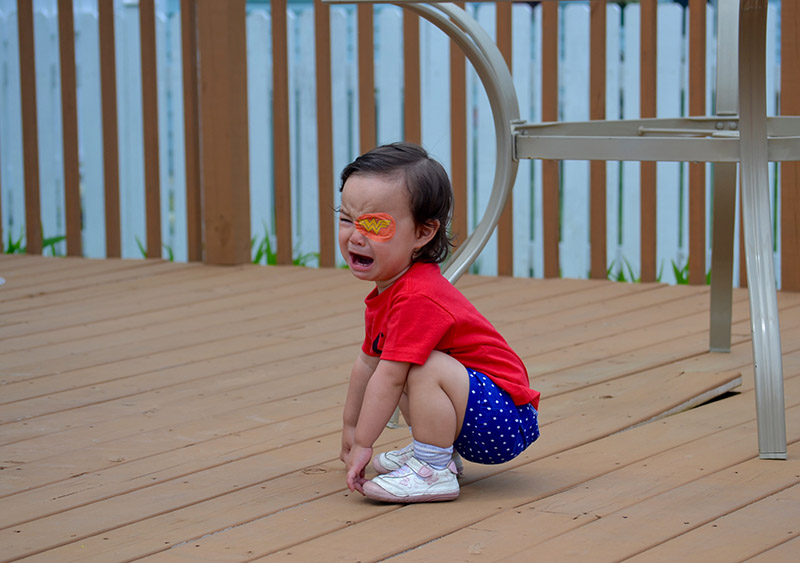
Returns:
<point x="740" y="132"/>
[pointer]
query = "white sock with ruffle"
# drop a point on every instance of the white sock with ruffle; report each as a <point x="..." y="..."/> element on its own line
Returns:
<point x="436" y="457"/>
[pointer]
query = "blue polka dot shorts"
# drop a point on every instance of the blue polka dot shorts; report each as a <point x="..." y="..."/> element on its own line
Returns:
<point x="495" y="430"/>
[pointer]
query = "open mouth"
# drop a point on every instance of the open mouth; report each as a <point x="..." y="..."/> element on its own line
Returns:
<point x="360" y="261"/>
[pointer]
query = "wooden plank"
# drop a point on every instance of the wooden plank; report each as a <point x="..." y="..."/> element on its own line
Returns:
<point x="69" y="323"/>
<point x="152" y="182"/>
<point x="630" y="330"/>
<point x="228" y="445"/>
<point x="177" y="414"/>
<point x="551" y="209"/>
<point x="784" y="553"/>
<point x="98" y="350"/>
<point x="191" y="131"/>
<point x="677" y="511"/>
<point x="176" y="401"/>
<point x="144" y="327"/>
<point x="243" y="500"/>
<point x="486" y="490"/>
<point x="345" y="501"/>
<point x="790" y="171"/>
<point x="412" y="107"/>
<point x="20" y="286"/>
<point x="118" y="419"/>
<point x="597" y="110"/>
<point x="175" y="282"/>
<point x="31" y="363"/>
<point x="737" y="535"/>
<point x="204" y="482"/>
<point x="280" y="131"/>
<point x="524" y="304"/>
<point x="647" y="108"/>
<point x="697" y="170"/>
<point x="108" y="94"/>
<point x="366" y="78"/>
<point x="69" y="128"/>
<point x="633" y="345"/>
<point x="505" y="227"/>
<point x="30" y="133"/>
<point x="615" y="488"/>
<point x="224" y="144"/>
<point x="132" y="293"/>
<point x="458" y="139"/>
<point x="326" y="176"/>
<point x="76" y="296"/>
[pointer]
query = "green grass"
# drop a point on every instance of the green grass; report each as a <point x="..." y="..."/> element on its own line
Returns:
<point x="626" y="274"/>
<point x="264" y="253"/>
<point x="48" y="243"/>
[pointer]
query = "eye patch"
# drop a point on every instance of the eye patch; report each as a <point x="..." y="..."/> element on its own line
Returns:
<point x="376" y="226"/>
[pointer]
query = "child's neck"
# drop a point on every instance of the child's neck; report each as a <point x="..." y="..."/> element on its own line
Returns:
<point x="384" y="285"/>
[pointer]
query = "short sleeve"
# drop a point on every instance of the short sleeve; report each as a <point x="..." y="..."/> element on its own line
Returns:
<point x="417" y="325"/>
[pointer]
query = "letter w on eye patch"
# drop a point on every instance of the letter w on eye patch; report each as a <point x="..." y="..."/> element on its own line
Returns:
<point x="376" y="226"/>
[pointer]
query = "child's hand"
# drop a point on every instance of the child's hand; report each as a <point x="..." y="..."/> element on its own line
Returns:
<point x="357" y="462"/>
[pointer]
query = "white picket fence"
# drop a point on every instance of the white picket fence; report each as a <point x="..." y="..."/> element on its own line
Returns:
<point x="622" y="102"/>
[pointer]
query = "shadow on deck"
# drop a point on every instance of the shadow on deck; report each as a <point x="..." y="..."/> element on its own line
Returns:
<point x="189" y="412"/>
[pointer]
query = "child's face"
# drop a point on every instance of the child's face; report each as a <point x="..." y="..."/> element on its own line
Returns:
<point x="373" y="206"/>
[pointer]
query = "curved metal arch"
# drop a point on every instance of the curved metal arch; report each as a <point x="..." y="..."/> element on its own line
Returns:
<point x="496" y="78"/>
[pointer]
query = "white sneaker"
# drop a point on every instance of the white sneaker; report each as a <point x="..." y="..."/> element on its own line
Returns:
<point x="395" y="459"/>
<point x="415" y="481"/>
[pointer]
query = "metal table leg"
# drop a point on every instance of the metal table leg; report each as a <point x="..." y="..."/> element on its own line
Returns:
<point x="758" y="235"/>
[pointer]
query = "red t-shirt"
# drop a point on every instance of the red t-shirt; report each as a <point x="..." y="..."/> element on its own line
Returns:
<point x="422" y="312"/>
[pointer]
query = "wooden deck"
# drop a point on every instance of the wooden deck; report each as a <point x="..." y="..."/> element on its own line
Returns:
<point x="161" y="411"/>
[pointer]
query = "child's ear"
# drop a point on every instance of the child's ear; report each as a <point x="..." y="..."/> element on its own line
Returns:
<point x="426" y="232"/>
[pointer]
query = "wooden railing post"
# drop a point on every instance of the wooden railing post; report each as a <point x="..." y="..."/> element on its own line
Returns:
<point x="191" y="132"/>
<point x="30" y="135"/>
<point x="412" y="105"/>
<point x="597" y="110"/>
<point x="225" y="175"/>
<point x="326" y="182"/>
<point x="551" y="226"/>
<point x="647" y="108"/>
<point x="69" y="121"/>
<point x="152" y="181"/>
<point x="790" y="171"/>
<point x="108" y="93"/>
<point x="697" y="170"/>
<point x="282" y="183"/>
<point x="505" y="228"/>
<point x="366" y="77"/>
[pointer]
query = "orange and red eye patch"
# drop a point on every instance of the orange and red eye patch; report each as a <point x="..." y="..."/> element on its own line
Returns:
<point x="376" y="226"/>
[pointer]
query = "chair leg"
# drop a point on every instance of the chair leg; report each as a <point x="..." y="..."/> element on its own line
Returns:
<point x="722" y="256"/>
<point x="770" y="406"/>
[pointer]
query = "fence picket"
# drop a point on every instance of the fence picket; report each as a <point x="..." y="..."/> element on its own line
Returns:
<point x="574" y="73"/>
<point x="622" y="100"/>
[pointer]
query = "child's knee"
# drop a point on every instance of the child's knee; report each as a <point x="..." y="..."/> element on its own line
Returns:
<point x="443" y="372"/>
<point x="440" y="363"/>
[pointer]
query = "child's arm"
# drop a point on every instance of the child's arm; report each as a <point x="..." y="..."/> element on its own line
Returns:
<point x="363" y="368"/>
<point x="381" y="397"/>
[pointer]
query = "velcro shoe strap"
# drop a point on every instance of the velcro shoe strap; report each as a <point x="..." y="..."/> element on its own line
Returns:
<point x="422" y="469"/>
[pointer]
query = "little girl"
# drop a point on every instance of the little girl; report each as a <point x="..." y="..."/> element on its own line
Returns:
<point x="459" y="385"/>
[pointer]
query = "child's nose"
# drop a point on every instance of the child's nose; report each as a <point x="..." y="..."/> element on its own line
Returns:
<point x="357" y="237"/>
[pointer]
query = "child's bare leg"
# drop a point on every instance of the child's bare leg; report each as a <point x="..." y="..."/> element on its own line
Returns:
<point x="437" y="392"/>
<point x="437" y="399"/>
<point x="404" y="407"/>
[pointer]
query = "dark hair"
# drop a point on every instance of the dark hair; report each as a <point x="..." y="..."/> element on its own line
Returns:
<point x="428" y="187"/>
